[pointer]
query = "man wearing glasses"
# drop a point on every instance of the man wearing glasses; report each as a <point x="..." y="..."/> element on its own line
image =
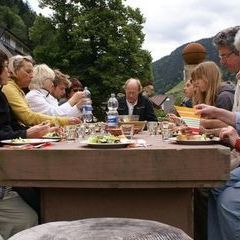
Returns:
<point x="229" y="57"/>
<point x="224" y="202"/>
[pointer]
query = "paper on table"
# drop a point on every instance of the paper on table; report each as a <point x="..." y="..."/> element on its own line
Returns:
<point x="188" y="115"/>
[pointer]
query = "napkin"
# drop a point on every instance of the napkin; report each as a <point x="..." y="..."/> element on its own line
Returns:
<point x="188" y="115"/>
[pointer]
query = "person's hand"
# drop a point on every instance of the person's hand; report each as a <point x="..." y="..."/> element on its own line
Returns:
<point x="74" y="120"/>
<point x="81" y="102"/>
<point x="77" y="96"/>
<point x="39" y="130"/>
<point x="173" y="118"/>
<point x="230" y="134"/>
<point x="205" y="111"/>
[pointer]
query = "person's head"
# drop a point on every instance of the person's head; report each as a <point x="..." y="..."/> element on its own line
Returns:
<point x="21" y="70"/>
<point x="132" y="89"/>
<point x="76" y="86"/>
<point x="4" y="74"/>
<point x="61" y="82"/>
<point x="207" y="78"/>
<point x="188" y="89"/>
<point x="43" y="77"/>
<point x="228" y="53"/>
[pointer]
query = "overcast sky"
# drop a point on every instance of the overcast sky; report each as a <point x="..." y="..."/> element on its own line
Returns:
<point x="171" y="23"/>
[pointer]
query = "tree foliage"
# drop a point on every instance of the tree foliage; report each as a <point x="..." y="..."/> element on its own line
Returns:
<point x="17" y="16"/>
<point x="100" y="41"/>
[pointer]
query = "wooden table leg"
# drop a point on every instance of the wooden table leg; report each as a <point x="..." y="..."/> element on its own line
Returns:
<point x="170" y="206"/>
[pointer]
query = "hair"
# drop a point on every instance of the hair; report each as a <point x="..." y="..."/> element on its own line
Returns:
<point x="75" y="83"/>
<point x="16" y="62"/>
<point x="41" y="73"/>
<point x="237" y="40"/>
<point x="213" y="75"/>
<point x="226" y="38"/>
<point x="3" y="59"/>
<point x="61" y="78"/>
<point x="136" y="80"/>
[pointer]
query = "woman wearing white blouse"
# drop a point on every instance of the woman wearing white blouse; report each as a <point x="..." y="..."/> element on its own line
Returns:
<point x="40" y="97"/>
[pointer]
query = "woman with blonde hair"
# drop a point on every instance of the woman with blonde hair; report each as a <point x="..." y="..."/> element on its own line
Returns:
<point x="21" y="70"/>
<point x="40" y="98"/>
<point x="210" y="89"/>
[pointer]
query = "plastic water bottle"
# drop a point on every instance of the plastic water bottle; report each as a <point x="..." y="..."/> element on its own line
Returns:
<point x="112" y="115"/>
<point x="87" y="107"/>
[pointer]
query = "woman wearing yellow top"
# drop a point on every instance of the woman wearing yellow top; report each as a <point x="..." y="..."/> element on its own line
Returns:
<point x="21" y="70"/>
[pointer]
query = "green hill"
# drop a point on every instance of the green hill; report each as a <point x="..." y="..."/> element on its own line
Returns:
<point x="168" y="71"/>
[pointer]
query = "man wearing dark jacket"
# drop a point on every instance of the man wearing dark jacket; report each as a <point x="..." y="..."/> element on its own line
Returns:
<point x="134" y="103"/>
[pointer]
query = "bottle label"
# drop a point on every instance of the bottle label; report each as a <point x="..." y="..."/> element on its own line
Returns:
<point x="87" y="109"/>
<point x="112" y="121"/>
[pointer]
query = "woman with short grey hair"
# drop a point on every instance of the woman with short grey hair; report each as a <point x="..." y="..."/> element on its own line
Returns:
<point x="40" y="98"/>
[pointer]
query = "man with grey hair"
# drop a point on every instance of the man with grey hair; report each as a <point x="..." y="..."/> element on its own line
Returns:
<point x="134" y="103"/>
<point x="229" y="57"/>
<point x="224" y="202"/>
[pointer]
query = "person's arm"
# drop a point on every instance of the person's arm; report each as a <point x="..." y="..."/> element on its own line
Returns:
<point x="19" y="106"/>
<point x="223" y="115"/>
<point x="49" y="105"/>
<point x="6" y="132"/>
<point x="212" y="123"/>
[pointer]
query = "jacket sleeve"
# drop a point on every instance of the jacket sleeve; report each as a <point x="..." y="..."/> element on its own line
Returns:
<point x="150" y="115"/>
<point x="225" y="100"/>
<point x="39" y="104"/>
<point x="22" y="111"/>
<point x="6" y="132"/>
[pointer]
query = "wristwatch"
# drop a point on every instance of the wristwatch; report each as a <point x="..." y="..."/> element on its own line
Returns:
<point x="237" y="145"/>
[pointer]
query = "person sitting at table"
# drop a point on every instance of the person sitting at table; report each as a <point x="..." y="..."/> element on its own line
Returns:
<point x="188" y="91"/>
<point x="15" y="214"/>
<point x="224" y="202"/>
<point x="21" y="70"/>
<point x="206" y="78"/>
<point x="75" y="86"/>
<point x="40" y="97"/>
<point x="134" y="103"/>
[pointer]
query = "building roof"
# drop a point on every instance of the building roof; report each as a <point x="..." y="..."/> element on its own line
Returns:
<point x="158" y="100"/>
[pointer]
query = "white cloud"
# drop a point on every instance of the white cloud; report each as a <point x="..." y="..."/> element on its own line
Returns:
<point x="172" y="23"/>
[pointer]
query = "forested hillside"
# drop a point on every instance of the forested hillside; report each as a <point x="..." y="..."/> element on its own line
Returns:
<point x="168" y="71"/>
<point x="18" y="17"/>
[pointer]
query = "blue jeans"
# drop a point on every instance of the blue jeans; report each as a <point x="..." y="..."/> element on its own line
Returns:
<point x="224" y="210"/>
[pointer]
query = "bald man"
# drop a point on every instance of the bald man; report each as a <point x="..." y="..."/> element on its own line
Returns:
<point x="134" y="103"/>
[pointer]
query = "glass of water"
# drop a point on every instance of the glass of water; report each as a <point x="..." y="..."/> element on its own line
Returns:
<point x="127" y="130"/>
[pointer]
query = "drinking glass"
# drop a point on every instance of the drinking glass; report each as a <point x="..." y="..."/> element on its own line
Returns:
<point x="166" y="130"/>
<point x="152" y="128"/>
<point x="70" y="133"/>
<point x="127" y="130"/>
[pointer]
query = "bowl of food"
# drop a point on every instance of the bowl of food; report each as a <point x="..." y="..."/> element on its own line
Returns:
<point x="115" y="131"/>
<point x="128" y="118"/>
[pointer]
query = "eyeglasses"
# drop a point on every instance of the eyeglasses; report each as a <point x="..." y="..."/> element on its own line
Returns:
<point x="226" y="55"/>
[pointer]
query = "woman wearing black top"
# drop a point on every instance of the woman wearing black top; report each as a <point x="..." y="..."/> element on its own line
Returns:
<point x="15" y="214"/>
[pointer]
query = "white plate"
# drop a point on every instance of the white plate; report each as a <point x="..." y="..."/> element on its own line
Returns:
<point x="32" y="141"/>
<point x="196" y="142"/>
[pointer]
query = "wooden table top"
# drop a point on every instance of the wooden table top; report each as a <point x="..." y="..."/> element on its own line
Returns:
<point x="160" y="165"/>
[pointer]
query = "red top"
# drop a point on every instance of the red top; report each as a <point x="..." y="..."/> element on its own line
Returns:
<point x="237" y="145"/>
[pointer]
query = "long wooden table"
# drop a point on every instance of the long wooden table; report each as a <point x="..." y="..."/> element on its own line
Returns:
<point x="148" y="183"/>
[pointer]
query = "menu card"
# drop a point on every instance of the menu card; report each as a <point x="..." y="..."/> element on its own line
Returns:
<point x="188" y="115"/>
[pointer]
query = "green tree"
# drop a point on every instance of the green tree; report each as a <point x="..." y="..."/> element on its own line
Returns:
<point x="13" y="22"/>
<point x="100" y="41"/>
<point x="17" y="16"/>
